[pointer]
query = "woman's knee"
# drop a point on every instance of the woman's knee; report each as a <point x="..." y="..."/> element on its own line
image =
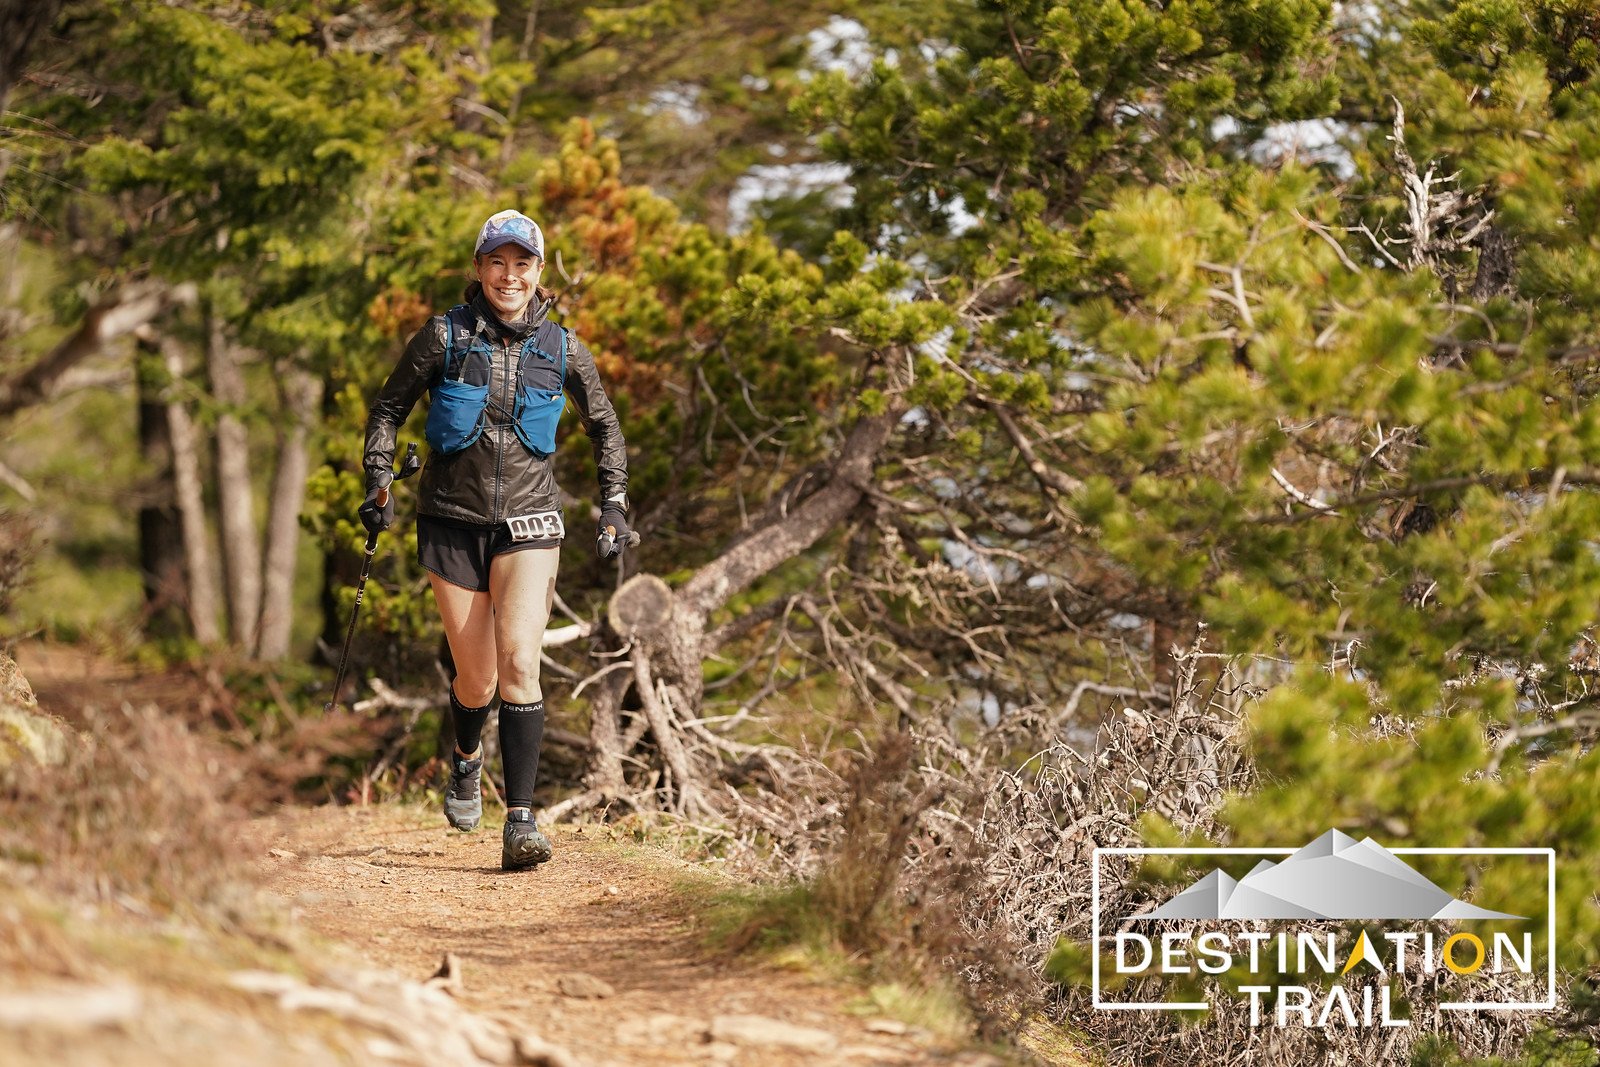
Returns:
<point x="519" y="674"/>
<point x="475" y="688"/>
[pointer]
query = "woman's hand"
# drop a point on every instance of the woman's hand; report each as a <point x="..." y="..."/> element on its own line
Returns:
<point x="614" y="532"/>
<point x="377" y="511"/>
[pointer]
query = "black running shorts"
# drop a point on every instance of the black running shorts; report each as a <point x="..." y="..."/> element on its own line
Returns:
<point x="460" y="553"/>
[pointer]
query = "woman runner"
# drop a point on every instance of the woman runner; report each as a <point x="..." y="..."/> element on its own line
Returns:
<point x="489" y="523"/>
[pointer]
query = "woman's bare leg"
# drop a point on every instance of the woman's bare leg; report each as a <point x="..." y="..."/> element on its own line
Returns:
<point x="468" y="618"/>
<point x="523" y="586"/>
<point x="469" y="627"/>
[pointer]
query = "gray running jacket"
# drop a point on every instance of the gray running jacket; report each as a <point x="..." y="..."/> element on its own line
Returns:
<point x="495" y="476"/>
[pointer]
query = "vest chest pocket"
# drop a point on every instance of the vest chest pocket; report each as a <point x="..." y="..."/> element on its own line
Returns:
<point x="536" y="414"/>
<point x="456" y="405"/>
<point x="455" y="415"/>
<point x="538" y="410"/>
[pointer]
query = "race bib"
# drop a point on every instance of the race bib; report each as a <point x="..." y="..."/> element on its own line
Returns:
<point x="539" y="526"/>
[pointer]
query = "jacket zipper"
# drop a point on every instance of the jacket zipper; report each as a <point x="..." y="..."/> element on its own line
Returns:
<point x="500" y="437"/>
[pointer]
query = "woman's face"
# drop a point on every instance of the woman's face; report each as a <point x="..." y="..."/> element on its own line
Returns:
<point x="509" y="276"/>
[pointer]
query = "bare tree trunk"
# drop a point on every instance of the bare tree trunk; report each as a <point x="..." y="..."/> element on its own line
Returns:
<point x="1497" y="264"/>
<point x="805" y="524"/>
<point x="469" y="106"/>
<point x="530" y="33"/>
<point x="302" y="394"/>
<point x="678" y="647"/>
<point x="199" y="562"/>
<point x="13" y="320"/>
<point x="241" y="543"/>
<point x="605" y="737"/>
<point x="160" y="530"/>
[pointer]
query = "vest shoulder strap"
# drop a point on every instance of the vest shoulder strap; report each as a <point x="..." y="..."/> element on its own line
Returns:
<point x="462" y="327"/>
<point x="551" y="340"/>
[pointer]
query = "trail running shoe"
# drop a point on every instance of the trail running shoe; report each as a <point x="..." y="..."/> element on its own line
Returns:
<point x="522" y="843"/>
<point x="463" y="801"/>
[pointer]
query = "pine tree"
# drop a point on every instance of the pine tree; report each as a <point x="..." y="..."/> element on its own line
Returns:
<point x="1335" y="409"/>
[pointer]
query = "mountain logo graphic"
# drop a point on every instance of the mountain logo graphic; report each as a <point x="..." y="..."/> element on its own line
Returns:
<point x="1334" y="877"/>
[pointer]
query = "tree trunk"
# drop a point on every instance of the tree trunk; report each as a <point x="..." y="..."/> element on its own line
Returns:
<point x="470" y="111"/>
<point x="241" y="544"/>
<point x="607" y="749"/>
<point x="160" y="529"/>
<point x="783" y="538"/>
<point x="21" y="23"/>
<point x="1497" y="264"/>
<point x="302" y="394"/>
<point x="530" y="33"/>
<point x="199" y="562"/>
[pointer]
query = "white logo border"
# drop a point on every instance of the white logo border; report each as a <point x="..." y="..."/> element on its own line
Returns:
<point x="1550" y="913"/>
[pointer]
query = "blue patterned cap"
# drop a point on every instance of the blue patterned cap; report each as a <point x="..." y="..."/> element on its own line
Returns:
<point x="509" y="227"/>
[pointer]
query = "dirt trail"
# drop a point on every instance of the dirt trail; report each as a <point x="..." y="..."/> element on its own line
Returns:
<point x="595" y="952"/>
<point x="403" y="889"/>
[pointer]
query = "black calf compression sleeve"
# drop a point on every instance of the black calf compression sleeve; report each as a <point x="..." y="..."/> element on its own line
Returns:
<point x="521" y="730"/>
<point x="469" y="723"/>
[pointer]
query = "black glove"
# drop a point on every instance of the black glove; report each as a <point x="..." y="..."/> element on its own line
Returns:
<point x="377" y="519"/>
<point x="613" y="522"/>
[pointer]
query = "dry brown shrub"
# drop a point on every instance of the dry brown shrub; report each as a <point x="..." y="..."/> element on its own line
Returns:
<point x="995" y="869"/>
<point x="858" y="886"/>
<point x="1034" y="839"/>
<point x="134" y="813"/>
<point x="884" y="862"/>
<point x="16" y="553"/>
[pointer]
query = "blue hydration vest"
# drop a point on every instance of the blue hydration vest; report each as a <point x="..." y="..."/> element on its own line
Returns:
<point x="456" y="407"/>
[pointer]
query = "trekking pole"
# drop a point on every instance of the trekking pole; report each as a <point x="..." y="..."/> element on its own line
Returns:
<point x="409" y="466"/>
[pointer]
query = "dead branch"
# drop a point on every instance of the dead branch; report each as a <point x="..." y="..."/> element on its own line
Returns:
<point x="1441" y="219"/>
<point x="817" y="515"/>
<point x="18" y="484"/>
<point x="1300" y="496"/>
<point x="120" y="312"/>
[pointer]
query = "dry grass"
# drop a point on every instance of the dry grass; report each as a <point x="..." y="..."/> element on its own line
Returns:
<point x="885" y="907"/>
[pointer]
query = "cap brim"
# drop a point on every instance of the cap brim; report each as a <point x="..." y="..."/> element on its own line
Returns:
<point x="494" y="243"/>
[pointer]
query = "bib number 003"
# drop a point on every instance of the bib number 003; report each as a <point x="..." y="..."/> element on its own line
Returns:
<point x="539" y="526"/>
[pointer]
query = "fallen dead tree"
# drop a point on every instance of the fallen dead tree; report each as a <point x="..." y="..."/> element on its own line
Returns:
<point x="656" y="640"/>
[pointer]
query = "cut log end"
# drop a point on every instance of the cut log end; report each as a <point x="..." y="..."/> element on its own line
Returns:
<point x="641" y="607"/>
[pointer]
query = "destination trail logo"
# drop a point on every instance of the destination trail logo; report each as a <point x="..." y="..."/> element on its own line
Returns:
<point x="1334" y="877"/>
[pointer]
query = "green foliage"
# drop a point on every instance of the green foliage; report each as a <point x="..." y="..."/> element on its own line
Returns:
<point x="1546" y="1048"/>
<point x="1086" y="93"/>
<point x="1248" y="402"/>
<point x="1142" y="367"/>
<point x="320" y="175"/>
